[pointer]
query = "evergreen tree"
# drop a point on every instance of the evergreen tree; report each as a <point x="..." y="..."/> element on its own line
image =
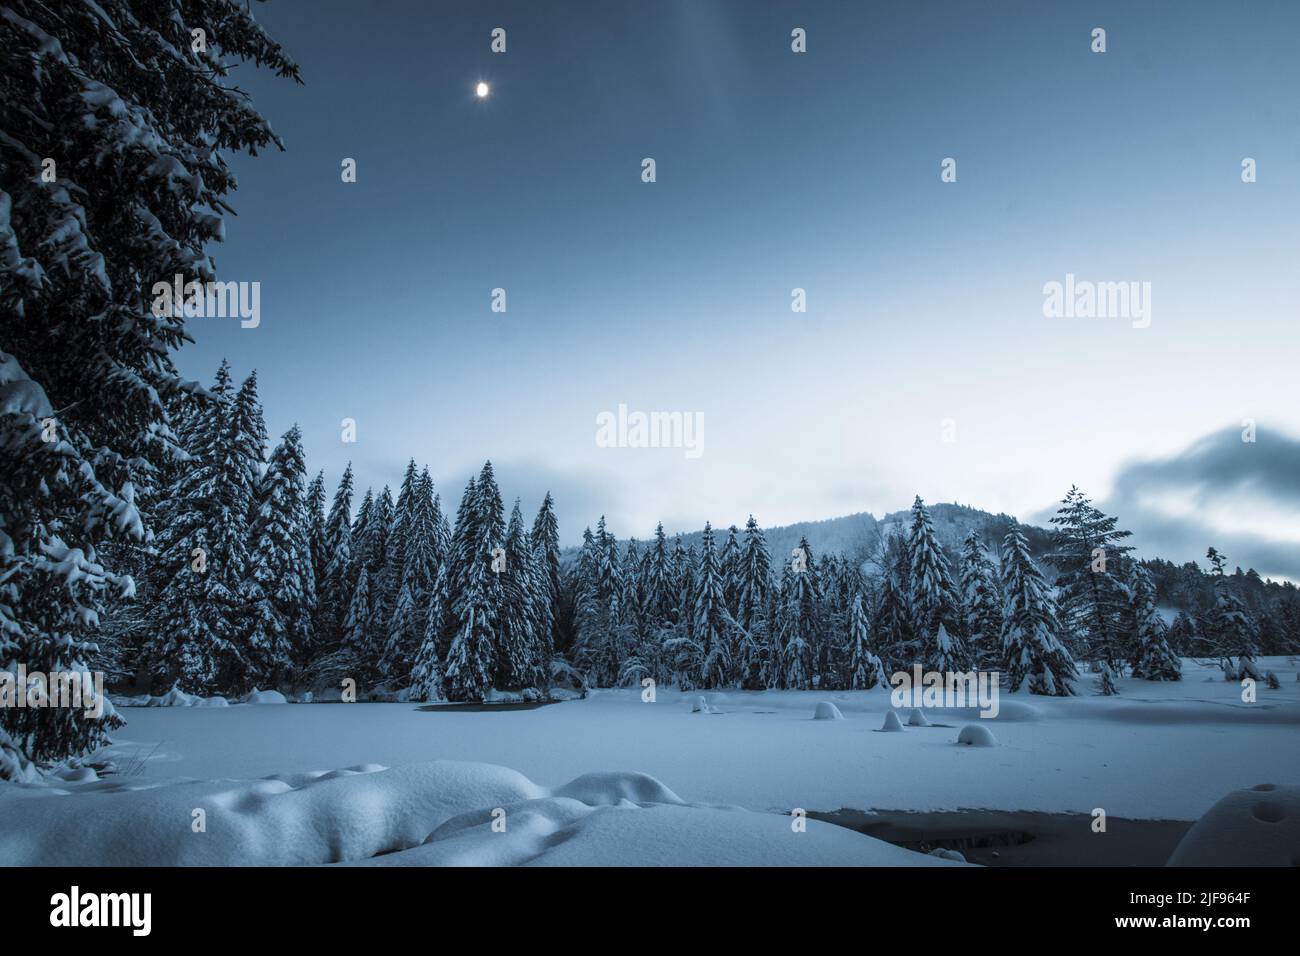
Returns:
<point x="1151" y="656"/>
<point x="280" y="572"/>
<point x="865" y="669"/>
<point x="200" y="618"/>
<point x="1089" y="553"/>
<point x="546" y="539"/>
<point x="891" y="626"/>
<point x="334" y="587"/>
<point x="471" y="659"/>
<point x="316" y="536"/>
<point x="358" y="629"/>
<point x="520" y="664"/>
<point x="141" y="125"/>
<point x="801" y="624"/>
<point x="714" y="627"/>
<point x="1031" y="647"/>
<point x="1228" y="626"/>
<point x="981" y="604"/>
<point x="755" y="576"/>
<point x="933" y="600"/>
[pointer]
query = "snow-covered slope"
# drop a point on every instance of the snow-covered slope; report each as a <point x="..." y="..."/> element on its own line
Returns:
<point x="440" y="813"/>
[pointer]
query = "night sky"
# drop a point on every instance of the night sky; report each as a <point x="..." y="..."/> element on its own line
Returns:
<point x="778" y="170"/>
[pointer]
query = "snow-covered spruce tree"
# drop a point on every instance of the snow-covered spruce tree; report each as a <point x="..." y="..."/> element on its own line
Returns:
<point x="1152" y="658"/>
<point x="895" y="636"/>
<point x="315" y="507"/>
<point x="1228" y="627"/>
<point x="426" y="673"/>
<point x="801" y="624"/>
<point x="1032" y="650"/>
<point x="135" y="122"/>
<point x="729" y="559"/>
<point x="753" y="589"/>
<point x="357" y="627"/>
<point x="374" y="554"/>
<point x="280" y="566"/>
<point x="604" y="633"/>
<point x="1089" y="553"/>
<point x="932" y="597"/>
<point x="714" y="627"/>
<point x="657" y="582"/>
<point x="334" y="586"/>
<point x="471" y="658"/>
<point x="519" y="662"/>
<point x="865" y="669"/>
<point x="546" y="539"/>
<point x="418" y="516"/>
<point x="201" y="620"/>
<point x="981" y="604"/>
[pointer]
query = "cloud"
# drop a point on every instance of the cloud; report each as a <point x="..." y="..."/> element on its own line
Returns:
<point x="1242" y="497"/>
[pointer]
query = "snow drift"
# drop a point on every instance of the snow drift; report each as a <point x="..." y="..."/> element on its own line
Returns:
<point x="437" y="813"/>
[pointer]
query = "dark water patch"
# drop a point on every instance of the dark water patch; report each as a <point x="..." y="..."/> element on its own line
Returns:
<point x="1019" y="837"/>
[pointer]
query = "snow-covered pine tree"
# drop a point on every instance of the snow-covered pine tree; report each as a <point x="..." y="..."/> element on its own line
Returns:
<point x="1151" y="656"/>
<point x="138" y="122"/>
<point x="200" y="619"/>
<point x="801" y="624"/>
<point x="358" y="630"/>
<point x="1089" y="553"/>
<point x="1228" y="627"/>
<point x="657" y="581"/>
<point x="895" y="636"/>
<point x="399" y="529"/>
<point x="418" y="517"/>
<point x="546" y="540"/>
<point x="519" y="659"/>
<point x="603" y="633"/>
<point x="315" y="506"/>
<point x="981" y="604"/>
<point x="1032" y="650"/>
<point x="933" y="599"/>
<point x="426" y="673"/>
<point x="334" y="586"/>
<point x="714" y="627"/>
<point x="865" y="669"/>
<point x="280" y="566"/>
<point x="374" y="550"/>
<point x="471" y="659"/>
<point x="729" y="566"/>
<point x="755" y="574"/>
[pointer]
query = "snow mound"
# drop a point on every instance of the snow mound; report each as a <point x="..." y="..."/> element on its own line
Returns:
<point x="827" y="711"/>
<point x="441" y="813"/>
<point x="265" y="697"/>
<point x="918" y="719"/>
<point x="945" y="854"/>
<point x="1255" y="827"/>
<point x="892" y="723"/>
<point x="701" y="706"/>
<point x="977" y="735"/>
<point x="173" y="698"/>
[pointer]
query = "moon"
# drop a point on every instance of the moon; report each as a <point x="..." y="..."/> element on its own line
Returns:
<point x="482" y="90"/>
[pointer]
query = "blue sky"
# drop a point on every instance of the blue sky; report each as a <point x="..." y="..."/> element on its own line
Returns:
<point x="776" y="171"/>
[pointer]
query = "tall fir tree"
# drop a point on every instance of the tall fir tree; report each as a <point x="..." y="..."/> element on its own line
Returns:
<point x="141" y="124"/>
<point x="1032" y="649"/>
<point x="1089" y="553"/>
<point x="981" y="604"/>
<point x="865" y="669"/>
<point x="280" y="566"/>
<point x="933" y="599"/>
<point x="334" y="587"/>
<point x="1228" y="626"/>
<point x="1150" y="654"/>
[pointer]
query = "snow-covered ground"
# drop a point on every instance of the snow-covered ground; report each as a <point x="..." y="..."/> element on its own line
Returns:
<point x="1159" y="750"/>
